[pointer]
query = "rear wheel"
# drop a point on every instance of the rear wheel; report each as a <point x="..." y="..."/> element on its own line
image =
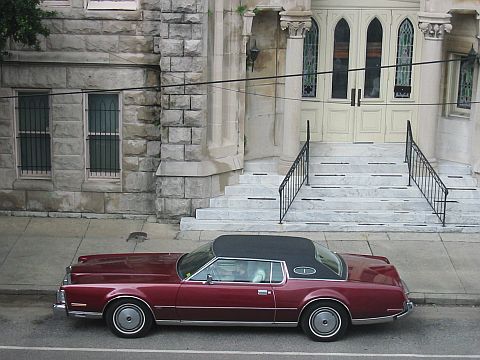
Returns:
<point x="325" y="321"/>
<point x="129" y="318"/>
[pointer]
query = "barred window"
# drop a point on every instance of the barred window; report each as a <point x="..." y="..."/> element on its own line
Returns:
<point x="465" y="84"/>
<point x="103" y="139"/>
<point x="33" y="133"/>
<point x="310" y="59"/>
<point x="403" y="76"/>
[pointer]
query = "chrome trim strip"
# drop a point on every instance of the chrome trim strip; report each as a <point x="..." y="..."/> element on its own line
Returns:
<point x="224" y="307"/>
<point x="384" y="319"/>
<point x="85" y="314"/>
<point x="164" y="307"/>
<point x="78" y="304"/>
<point x="225" y="323"/>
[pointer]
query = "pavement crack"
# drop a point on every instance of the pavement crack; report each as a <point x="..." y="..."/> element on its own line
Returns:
<point x="454" y="268"/>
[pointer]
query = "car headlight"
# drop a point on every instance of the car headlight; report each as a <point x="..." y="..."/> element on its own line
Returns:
<point x="61" y="297"/>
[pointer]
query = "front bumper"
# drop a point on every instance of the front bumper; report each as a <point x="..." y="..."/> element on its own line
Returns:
<point x="407" y="310"/>
<point x="60" y="310"/>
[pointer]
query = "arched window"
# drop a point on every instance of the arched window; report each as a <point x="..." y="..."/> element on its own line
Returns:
<point x="403" y="76"/>
<point x="373" y="59"/>
<point x="310" y="59"/>
<point x="341" y="48"/>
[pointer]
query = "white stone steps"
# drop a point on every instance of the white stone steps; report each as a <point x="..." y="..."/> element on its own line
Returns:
<point x="309" y="203"/>
<point x="191" y="223"/>
<point x="360" y="150"/>
<point x="319" y="215"/>
<point x="378" y="168"/>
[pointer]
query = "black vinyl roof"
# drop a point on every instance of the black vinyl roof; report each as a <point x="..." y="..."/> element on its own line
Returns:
<point x="295" y="251"/>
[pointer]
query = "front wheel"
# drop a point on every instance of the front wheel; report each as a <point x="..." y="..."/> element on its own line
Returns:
<point x="129" y="318"/>
<point x="325" y="321"/>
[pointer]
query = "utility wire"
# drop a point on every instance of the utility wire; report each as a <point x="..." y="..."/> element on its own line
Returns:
<point x="212" y="82"/>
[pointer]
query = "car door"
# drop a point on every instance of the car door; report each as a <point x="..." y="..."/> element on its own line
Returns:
<point x="228" y="290"/>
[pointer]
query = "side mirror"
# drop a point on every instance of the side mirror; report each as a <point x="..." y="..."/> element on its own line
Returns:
<point x="209" y="279"/>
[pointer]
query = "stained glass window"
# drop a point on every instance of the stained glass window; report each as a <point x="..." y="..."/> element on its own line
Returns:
<point x="403" y="76"/>
<point x="341" y="48"/>
<point x="373" y="59"/>
<point x="310" y="59"/>
<point x="465" y="84"/>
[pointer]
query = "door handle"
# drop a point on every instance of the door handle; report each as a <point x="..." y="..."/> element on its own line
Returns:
<point x="352" y="97"/>
<point x="359" y="97"/>
<point x="264" y="292"/>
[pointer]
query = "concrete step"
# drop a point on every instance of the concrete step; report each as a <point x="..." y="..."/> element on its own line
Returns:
<point x="371" y="168"/>
<point x="319" y="215"/>
<point x="190" y="223"/>
<point x="357" y="150"/>
<point x="310" y="203"/>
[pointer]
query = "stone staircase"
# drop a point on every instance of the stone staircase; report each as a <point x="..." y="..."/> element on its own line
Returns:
<point x="353" y="187"/>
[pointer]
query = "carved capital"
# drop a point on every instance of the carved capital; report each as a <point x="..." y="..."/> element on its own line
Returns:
<point x="297" y="23"/>
<point x="434" y="25"/>
<point x="434" y="31"/>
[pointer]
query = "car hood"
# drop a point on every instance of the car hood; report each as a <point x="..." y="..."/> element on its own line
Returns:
<point x="108" y="268"/>
<point x="371" y="269"/>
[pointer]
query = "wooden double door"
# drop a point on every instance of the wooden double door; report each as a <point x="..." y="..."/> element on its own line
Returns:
<point x="367" y="105"/>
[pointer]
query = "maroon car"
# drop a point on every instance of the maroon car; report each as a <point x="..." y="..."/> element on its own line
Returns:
<point x="245" y="280"/>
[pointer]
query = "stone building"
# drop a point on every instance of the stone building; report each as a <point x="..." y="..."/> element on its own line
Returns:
<point x="180" y="144"/>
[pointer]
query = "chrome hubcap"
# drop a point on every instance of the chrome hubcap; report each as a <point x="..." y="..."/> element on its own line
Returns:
<point x="129" y="318"/>
<point x="325" y="322"/>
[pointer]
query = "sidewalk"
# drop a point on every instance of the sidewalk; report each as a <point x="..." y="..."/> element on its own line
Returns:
<point x="439" y="268"/>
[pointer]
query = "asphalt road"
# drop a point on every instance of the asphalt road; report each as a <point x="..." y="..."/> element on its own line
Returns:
<point x="30" y="331"/>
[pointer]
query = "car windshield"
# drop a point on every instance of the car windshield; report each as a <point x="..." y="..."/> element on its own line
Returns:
<point x="190" y="263"/>
<point x="328" y="258"/>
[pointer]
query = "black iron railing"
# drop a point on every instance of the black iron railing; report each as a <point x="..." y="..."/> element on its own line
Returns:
<point x="295" y="178"/>
<point x="423" y="174"/>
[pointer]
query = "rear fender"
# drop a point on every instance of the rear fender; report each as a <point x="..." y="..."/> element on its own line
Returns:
<point x="325" y="295"/>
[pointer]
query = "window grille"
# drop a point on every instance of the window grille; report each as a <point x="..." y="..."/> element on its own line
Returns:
<point x="112" y="4"/>
<point x="103" y="115"/>
<point x="403" y="76"/>
<point x="465" y="84"/>
<point x="310" y="59"/>
<point x="33" y="136"/>
<point x="341" y="50"/>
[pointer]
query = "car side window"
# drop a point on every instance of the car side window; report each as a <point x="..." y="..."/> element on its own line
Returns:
<point x="277" y="272"/>
<point x="236" y="270"/>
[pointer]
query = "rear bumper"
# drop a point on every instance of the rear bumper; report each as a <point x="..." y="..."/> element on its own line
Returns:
<point x="60" y="310"/>
<point x="407" y="309"/>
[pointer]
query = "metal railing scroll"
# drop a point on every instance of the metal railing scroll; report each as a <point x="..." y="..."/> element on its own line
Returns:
<point x="295" y="177"/>
<point x="425" y="177"/>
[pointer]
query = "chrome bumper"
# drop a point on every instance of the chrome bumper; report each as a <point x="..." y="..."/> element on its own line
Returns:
<point x="407" y="309"/>
<point x="60" y="310"/>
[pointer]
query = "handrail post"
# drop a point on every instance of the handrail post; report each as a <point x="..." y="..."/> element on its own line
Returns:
<point x="308" y="152"/>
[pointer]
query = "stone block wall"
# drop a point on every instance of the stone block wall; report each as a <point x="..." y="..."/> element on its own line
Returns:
<point x="190" y="174"/>
<point x="88" y="50"/>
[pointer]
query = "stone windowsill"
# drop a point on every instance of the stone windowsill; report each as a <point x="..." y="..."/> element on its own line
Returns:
<point x="102" y="185"/>
<point x="33" y="184"/>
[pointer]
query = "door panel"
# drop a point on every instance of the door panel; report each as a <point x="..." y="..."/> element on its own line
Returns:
<point x="197" y="301"/>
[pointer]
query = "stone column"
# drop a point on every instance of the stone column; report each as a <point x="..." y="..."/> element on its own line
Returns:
<point x="433" y="27"/>
<point x="475" y="114"/>
<point x="297" y="23"/>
